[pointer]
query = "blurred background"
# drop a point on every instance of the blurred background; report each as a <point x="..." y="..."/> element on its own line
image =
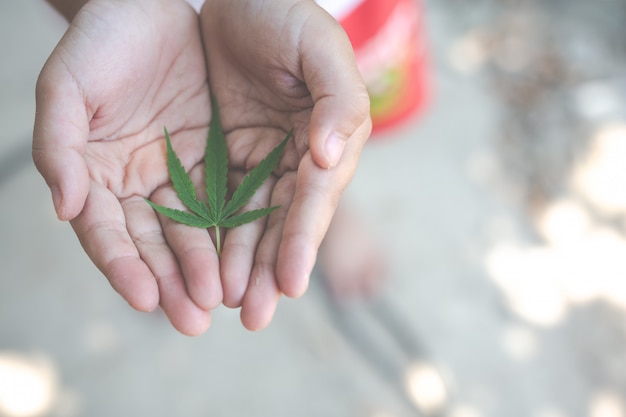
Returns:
<point x="502" y="208"/>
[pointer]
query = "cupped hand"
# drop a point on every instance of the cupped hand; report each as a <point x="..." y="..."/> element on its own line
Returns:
<point x="273" y="66"/>
<point x="123" y="71"/>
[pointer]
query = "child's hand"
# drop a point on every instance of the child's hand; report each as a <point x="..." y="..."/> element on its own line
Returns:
<point x="123" y="71"/>
<point x="275" y="65"/>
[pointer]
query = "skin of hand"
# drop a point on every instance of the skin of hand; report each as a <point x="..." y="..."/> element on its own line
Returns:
<point x="276" y="65"/>
<point x="123" y="71"/>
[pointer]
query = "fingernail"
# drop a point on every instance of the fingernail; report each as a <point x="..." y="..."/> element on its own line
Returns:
<point x="57" y="199"/>
<point x="334" y="149"/>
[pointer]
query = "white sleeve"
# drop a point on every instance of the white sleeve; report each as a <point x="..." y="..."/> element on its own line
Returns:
<point x="196" y="4"/>
<point x="339" y="8"/>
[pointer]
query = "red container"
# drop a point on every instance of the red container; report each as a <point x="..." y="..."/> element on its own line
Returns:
<point x="390" y="46"/>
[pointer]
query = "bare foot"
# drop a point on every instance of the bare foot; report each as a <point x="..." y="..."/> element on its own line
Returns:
<point x="351" y="261"/>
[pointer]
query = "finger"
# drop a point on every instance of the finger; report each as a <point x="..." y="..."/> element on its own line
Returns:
<point x="195" y="252"/>
<point x="101" y="229"/>
<point x="261" y="298"/>
<point x="341" y="102"/>
<point x="240" y="247"/>
<point x="145" y="229"/>
<point x="59" y="138"/>
<point x="317" y="193"/>
<point x="262" y="294"/>
<point x="199" y="262"/>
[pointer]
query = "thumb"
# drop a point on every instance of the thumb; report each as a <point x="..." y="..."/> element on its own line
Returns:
<point x="59" y="138"/>
<point x="341" y="102"/>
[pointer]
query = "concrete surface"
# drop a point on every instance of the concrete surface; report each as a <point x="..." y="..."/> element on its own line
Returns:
<point x="483" y="316"/>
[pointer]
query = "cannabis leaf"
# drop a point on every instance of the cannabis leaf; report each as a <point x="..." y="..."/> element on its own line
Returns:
<point x="218" y="212"/>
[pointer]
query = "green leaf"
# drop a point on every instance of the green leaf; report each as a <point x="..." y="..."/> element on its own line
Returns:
<point x="247" y="217"/>
<point x="185" y="189"/>
<point x="180" y="216"/>
<point x="218" y="213"/>
<point x="255" y="178"/>
<point x="216" y="164"/>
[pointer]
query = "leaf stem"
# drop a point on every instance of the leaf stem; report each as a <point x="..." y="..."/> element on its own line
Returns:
<point x="217" y="240"/>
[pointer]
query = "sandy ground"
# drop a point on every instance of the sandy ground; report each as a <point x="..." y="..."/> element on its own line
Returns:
<point x="506" y="297"/>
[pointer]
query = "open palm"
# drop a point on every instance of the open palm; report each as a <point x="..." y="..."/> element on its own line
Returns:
<point x="123" y="71"/>
<point x="274" y="66"/>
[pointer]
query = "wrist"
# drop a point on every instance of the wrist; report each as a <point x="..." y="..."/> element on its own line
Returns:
<point x="70" y="8"/>
<point x="67" y="8"/>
